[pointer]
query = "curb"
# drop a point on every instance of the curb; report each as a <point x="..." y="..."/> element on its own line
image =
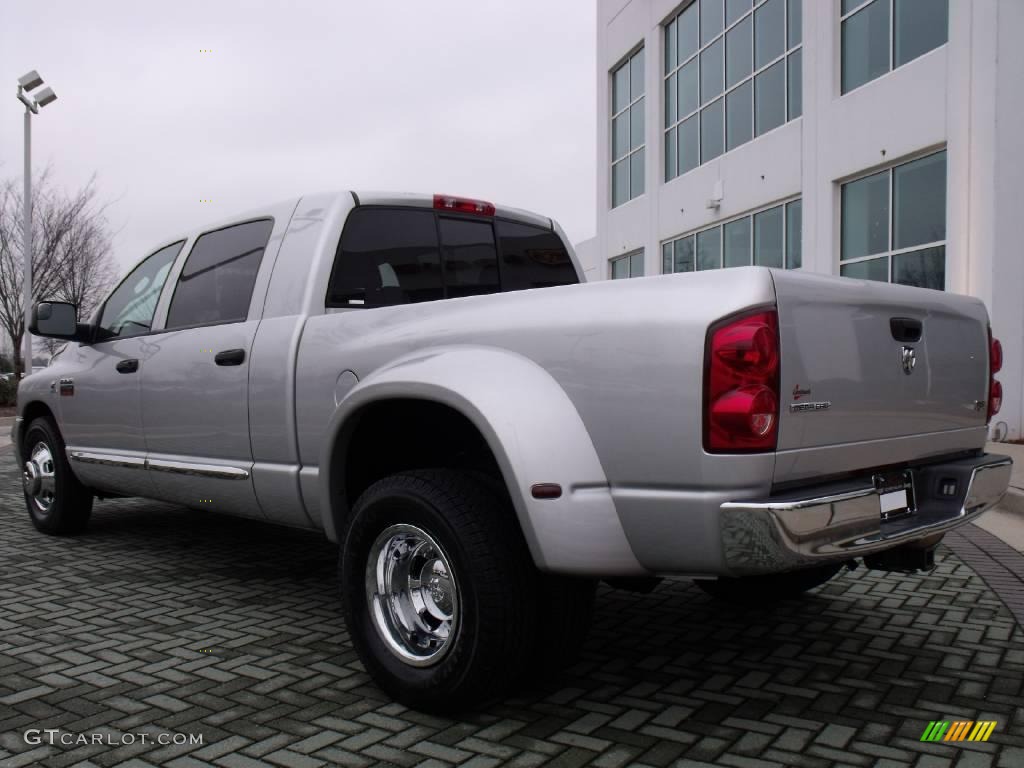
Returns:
<point x="1013" y="501"/>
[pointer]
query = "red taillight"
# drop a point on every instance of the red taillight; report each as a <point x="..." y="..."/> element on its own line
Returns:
<point x="995" y="363"/>
<point x="463" y="205"/>
<point x="741" y="384"/>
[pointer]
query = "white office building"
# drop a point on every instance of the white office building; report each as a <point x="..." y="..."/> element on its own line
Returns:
<point x="878" y="139"/>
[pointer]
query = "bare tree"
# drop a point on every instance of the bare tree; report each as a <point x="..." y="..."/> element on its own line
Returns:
<point x="71" y="258"/>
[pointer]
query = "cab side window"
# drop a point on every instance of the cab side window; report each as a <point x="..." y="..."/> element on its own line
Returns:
<point x="129" y="309"/>
<point x="217" y="280"/>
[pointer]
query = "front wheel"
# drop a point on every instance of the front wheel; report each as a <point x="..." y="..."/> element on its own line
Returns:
<point x="57" y="503"/>
<point x="438" y="588"/>
<point x="768" y="588"/>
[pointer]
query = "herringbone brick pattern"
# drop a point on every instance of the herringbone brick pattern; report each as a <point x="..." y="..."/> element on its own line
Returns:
<point x="161" y="619"/>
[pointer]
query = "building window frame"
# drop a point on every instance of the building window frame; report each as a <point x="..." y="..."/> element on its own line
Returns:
<point x="786" y="205"/>
<point x="791" y="60"/>
<point x="890" y="252"/>
<point x="860" y="7"/>
<point x="633" y="261"/>
<point x="634" y="102"/>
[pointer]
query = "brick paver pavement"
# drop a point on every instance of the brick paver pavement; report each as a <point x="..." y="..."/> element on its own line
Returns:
<point x="163" y="620"/>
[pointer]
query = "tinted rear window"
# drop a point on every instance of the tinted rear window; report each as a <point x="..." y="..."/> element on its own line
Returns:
<point x="386" y="256"/>
<point x="470" y="257"/>
<point x="532" y="258"/>
<point x="404" y="255"/>
<point x="217" y="281"/>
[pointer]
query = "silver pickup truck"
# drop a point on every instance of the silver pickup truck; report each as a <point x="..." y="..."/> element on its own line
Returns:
<point x="424" y="380"/>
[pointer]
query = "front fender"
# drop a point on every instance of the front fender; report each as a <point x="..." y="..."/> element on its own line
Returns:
<point x="535" y="434"/>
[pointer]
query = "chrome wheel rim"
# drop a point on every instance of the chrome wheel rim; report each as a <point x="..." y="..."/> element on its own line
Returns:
<point x="39" y="478"/>
<point x="412" y="595"/>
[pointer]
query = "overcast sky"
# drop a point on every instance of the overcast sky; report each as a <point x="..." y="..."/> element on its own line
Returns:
<point x="488" y="99"/>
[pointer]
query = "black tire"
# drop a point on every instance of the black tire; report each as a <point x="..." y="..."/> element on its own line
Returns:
<point x="71" y="505"/>
<point x="475" y="527"/>
<point x="768" y="588"/>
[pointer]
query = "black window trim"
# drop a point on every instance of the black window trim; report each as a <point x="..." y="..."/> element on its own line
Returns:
<point x="438" y="215"/>
<point x="177" y="280"/>
<point x="93" y="336"/>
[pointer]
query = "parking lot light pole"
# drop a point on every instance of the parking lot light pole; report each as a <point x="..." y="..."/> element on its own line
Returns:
<point x="27" y="83"/>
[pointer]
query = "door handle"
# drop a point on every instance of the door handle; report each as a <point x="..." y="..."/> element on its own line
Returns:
<point x="128" y="366"/>
<point x="905" y="328"/>
<point x="230" y="357"/>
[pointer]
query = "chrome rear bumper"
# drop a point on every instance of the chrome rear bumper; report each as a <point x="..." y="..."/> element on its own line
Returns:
<point x="842" y="521"/>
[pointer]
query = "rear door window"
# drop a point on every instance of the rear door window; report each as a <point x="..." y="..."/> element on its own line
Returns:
<point x="216" y="283"/>
<point x="532" y="257"/>
<point x="386" y="256"/>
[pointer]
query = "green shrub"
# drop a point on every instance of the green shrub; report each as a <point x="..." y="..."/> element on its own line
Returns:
<point x="8" y="391"/>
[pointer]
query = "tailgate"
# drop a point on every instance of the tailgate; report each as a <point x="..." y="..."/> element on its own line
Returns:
<point x="856" y="383"/>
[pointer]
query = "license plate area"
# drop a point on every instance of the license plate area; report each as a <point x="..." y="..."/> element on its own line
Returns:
<point x="895" y="493"/>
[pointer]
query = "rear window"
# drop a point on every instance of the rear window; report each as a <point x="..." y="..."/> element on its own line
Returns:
<point x="532" y="257"/>
<point x="393" y="256"/>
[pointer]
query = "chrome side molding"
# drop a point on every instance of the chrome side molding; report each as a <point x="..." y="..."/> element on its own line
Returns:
<point x="108" y="459"/>
<point x="160" y="465"/>
<point x="198" y="470"/>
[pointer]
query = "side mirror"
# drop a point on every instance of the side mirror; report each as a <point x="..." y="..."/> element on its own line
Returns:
<point x="56" y="320"/>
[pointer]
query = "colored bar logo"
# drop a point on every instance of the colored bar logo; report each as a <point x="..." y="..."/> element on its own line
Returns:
<point x="959" y="730"/>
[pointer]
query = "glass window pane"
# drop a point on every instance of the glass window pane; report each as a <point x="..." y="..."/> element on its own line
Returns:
<point x="620" y="268"/>
<point x="738" y="53"/>
<point x="130" y="308"/>
<point x="620" y="182"/>
<point x="687" y="31"/>
<point x="739" y="120"/>
<point x="920" y="26"/>
<point x="737" y="243"/>
<point x="689" y="144"/>
<point x="919" y="201"/>
<point x="795" y="85"/>
<point x="689" y="98"/>
<point x="770" y="98"/>
<point x="620" y="88"/>
<point x="532" y="257"/>
<point x="666" y="258"/>
<point x="866" y="45"/>
<point x="794" y="233"/>
<point x="470" y="257"/>
<point x="709" y="248"/>
<point x="734" y="9"/>
<point x="620" y="136"/>
<point x="769" y="32"/>
<point x="636" y="75"/>
<point x="636" y="174"/>
<point x="768" y="238"/>
<point x="712" y="75"/>
<point x="865" y="216"/>
<point x="849" y="5"/>
<point x="670" y="154"/>
<point x="684" y="255"/>
<point x="711" y="134"/>
<point x="670" y="100"/>
<point x="711" y="19"/>
<point x="636" y="264"/>
<point x="925" y="268"/>
<point x="217" y="280"/>
<point x="871" y="269"/>
<point x="386" y="257"/>
<point x="670" y="46"/>
<point x="636" y="124"/>
<point x="794" y="23"/>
